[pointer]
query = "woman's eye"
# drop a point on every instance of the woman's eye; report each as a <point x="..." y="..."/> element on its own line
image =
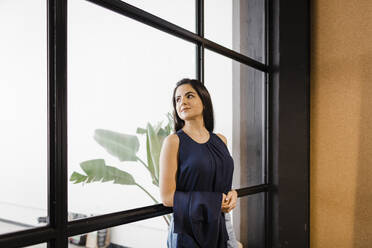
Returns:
<point x="178" y="99"/>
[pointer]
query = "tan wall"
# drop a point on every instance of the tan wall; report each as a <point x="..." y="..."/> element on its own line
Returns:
<point x="341" y="124"/>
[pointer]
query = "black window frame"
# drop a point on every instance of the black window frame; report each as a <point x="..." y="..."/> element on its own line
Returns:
<point x="287" y="70"/>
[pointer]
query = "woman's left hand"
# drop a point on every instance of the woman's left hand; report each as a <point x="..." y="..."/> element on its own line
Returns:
<point x="230" y="201"/>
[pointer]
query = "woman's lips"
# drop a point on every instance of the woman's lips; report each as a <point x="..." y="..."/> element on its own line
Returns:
<point x="185" y="109"/>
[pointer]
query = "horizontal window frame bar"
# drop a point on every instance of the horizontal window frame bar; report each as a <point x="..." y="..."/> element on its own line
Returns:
<point x="47" y="233"/>
<point x="142" y="16"/>
<point x="253" y="190"/>
<point x="28" y="237"/>
<point x="90" y="224"/>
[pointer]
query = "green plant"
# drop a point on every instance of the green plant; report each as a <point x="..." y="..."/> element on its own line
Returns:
<point x="125" y="148"/>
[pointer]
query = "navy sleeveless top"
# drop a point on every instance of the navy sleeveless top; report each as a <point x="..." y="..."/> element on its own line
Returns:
<point x="204" y="172"/>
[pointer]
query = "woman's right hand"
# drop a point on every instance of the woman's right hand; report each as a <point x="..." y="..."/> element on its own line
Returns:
<point x="224" y="205"/>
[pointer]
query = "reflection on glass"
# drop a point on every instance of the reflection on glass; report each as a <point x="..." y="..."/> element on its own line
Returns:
<point x="237" y="25"/>
<point x="43" y="245"/>
<point x="146" y="233"/>
<point x="249" y="220"/>
<point x="179" y="12"/>
<point x="120" y="82"/>
<point x="23" y="107"/>
<point x="238" y="94"/>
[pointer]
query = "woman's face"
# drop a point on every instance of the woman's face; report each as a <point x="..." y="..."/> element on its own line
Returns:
<point x="188" y="102"/>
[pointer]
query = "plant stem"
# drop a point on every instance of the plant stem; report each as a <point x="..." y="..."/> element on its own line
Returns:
<point x="144" y="164"/>
<point x="147" y="193"/>
<point x="148" y="169"/>
<point x="166" y="220"/>
<point x="152" y="199"/>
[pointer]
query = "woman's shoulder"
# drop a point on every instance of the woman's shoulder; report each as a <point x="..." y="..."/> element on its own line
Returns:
<point x="222" y="137"/>
<point x="170" y="144"/>
<point x="172" y="139"/>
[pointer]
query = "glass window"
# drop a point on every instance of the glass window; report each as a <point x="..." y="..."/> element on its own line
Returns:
<point x="120" y="83"/>
<point x="145" y="233"/>
<point x="249" y="220"/>
<point x="237" y="25"/>
<point x="23" y="107"/>
<point x="179" y="12"/>
<point x="238" y="95"/>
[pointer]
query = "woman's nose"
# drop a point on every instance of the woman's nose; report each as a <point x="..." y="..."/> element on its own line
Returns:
<point x="183" y="100"/>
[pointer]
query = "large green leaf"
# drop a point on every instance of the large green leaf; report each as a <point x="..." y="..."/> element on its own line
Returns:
<point x="154" y="148"/>
<point x="141" y="130"/>
<point x="125" y="147"/>
<point x="77" y="177"/>
<point x="164" y="132"/>
<point x="122" y="146"/>
<point x="150" y="163"/>
<point x="161" y="133"/>
<point x="97" y="170"/>
<point x="169" y="127"/>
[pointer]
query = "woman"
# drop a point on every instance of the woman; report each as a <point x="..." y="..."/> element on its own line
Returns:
<point x="196" y="173"/>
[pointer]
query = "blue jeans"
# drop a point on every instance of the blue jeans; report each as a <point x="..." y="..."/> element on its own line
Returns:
<point x="231" y="243"/>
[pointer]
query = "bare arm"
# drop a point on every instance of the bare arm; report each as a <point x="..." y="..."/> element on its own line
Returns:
<point x="168" y="169"/>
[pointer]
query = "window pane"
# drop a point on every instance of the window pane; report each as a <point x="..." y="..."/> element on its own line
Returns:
<point x="238" y="95"/>
<point x="23" y="107"/>
<point x="249" y="220"/>
<point x="146" y="233"/>
<point x="179" y="12"/>
<point x="237" y="25"/>
<point x="119" y="85"/>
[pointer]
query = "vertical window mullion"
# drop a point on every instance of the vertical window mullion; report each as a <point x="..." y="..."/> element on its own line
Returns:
<point x="199" y="4"/>
<point x="57" y="120"/>
<point x="268" y="203"/>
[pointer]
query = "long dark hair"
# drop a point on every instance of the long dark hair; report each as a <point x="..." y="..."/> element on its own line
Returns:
<point x="205" y="98"/>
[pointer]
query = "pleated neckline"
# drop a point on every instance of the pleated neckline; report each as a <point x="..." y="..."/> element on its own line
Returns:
<point x="208" y="141"/>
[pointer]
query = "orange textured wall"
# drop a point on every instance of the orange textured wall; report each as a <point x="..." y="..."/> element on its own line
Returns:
<point x="341" y="124"/>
